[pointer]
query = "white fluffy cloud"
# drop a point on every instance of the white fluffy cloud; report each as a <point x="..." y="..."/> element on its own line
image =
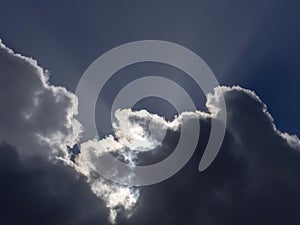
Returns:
<point x="134" y="132"/>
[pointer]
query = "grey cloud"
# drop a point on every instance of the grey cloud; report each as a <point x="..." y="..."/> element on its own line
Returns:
<point x="36" y="191"/>
<point x="35" y="117"/>
<point x="253" y="180"/>
<point x="251" y="134"/>
<point x="37" y="120"/>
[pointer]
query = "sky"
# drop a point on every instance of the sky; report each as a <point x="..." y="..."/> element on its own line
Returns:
<point x="252" y="47"/>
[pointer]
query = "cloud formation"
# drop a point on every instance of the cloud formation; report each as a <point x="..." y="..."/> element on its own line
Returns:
<point x="36" y="117"/>
<point x="37" y="120"/>
<point x="253" y="180"/>
<point x="37" y="191"/>
<point x="135" y="132"/>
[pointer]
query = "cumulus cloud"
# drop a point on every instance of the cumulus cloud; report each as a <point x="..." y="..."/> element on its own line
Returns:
<point x="36" y="117"/>
<point x="253" y="180"/>
<point x="138" y="132"/>
<point x="37" y="126"/>
<point x="254" y="175"/>
<point x="37" y="191"/>
<point x="135" y="132"/>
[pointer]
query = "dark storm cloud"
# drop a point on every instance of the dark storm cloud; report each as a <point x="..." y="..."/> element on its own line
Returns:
<point x="254" y="179"/>
<point x="38" y="192"/>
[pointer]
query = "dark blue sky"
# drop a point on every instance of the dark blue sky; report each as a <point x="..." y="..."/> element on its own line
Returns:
<point x="254" y="44"/>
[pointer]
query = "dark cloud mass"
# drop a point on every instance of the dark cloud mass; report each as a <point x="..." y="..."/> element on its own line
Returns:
<point x="253" y="180"/>
<point x="37" y="191"/>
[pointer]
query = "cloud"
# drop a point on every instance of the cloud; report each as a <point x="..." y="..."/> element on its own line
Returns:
<point x="135" y="132"/>
<point x="36" y="191"/>
<point x="139" y="132"/>
<point x="36" y="117"/>
<point x="253" y="180"/>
